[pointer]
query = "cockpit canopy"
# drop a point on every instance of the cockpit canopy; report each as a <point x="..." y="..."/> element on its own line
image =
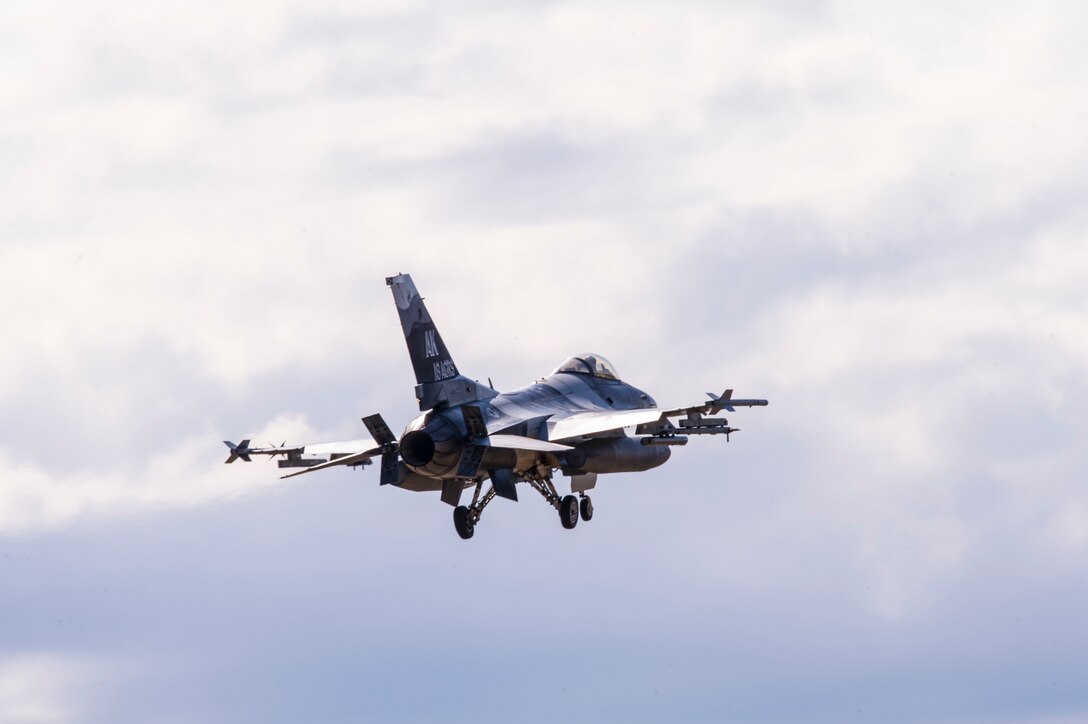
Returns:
<point x="589" y="364"/>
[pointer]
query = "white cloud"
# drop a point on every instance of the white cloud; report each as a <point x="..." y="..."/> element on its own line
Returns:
<point x="185" y="474"/>
<point x="47" y="688"/>
<point x="869" y="213"/>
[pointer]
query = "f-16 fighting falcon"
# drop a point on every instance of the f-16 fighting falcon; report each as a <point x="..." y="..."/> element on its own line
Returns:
<point x="581" y="420"/>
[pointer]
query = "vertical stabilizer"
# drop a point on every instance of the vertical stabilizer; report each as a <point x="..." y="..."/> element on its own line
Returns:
<point x="430" y="358"/>
<point x="438" y="381"/>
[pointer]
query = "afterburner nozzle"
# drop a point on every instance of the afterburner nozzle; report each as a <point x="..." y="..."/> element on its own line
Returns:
<point x="432" y="450"/>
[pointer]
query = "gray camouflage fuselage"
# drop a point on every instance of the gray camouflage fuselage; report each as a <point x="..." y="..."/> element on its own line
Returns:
<point x="525" y="412"/>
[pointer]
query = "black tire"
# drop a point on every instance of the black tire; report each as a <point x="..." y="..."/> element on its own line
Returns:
<point x="587" y="509"/>
<point x="462" y="521"/>
<point x="568" y="512"/>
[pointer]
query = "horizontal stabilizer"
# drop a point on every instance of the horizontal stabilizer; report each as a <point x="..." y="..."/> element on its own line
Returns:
<point x="519" y="442"/>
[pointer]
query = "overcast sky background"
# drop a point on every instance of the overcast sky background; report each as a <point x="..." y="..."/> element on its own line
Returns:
<point x="869" y="213"/>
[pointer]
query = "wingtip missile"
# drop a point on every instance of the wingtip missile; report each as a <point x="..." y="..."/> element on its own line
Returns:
<point x="725" y="401"/>
<point x="241" y="450"/>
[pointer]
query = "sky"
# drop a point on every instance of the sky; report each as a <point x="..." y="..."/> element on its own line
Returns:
<point x="869" y="213"/>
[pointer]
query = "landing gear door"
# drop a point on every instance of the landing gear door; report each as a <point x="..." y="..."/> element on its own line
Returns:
<point x="582" y="483"/>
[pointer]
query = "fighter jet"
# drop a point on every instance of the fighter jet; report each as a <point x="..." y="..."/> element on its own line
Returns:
<point x="580" y="420"/>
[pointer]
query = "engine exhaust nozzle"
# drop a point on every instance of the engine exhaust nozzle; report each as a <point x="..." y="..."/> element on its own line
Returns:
<point x="417" y="448"/>
<point x="432" y="450"/>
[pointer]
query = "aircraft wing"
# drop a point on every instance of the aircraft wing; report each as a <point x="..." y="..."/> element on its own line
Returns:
<point x="595" y="422"/>
<point x="518" y="442"/>
<point x="359" y="458"/>
<point x="311" y="456"/>
<point x="649" y="420"/>
<point x="347" y="447"/>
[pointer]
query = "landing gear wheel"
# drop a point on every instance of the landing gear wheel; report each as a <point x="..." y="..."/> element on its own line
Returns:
<point x="462" y="521"/>
<point x="568" y="512"/>
<point x="587" y="509"/>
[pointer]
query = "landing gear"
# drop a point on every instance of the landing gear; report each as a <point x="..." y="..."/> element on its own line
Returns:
<point x="568" y="511"/>
<point x="465" y="517"/>
<point x="570" y="507"/>
<point x="463" y="522"/>
<point x="587" y="509"/>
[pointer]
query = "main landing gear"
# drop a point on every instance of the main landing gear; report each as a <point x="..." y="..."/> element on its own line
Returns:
<point x="570" y="507"/>
<point x="568" y="512"/>
<point x="587" y="508"/>
<point x="465" y="517"/>
<point x="463" y="522"/>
